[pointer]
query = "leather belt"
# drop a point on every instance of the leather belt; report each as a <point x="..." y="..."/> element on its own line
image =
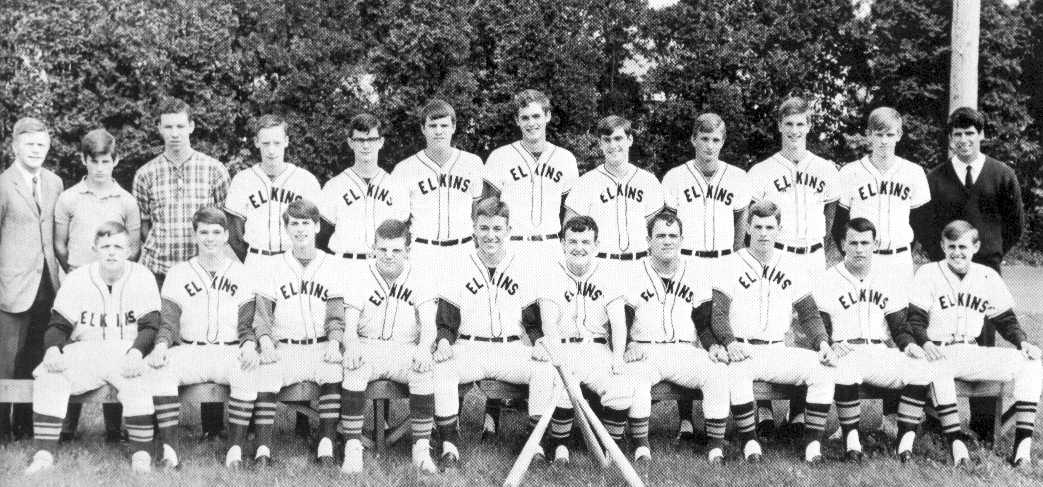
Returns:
<point x="358" y="255"/>
<point x="624" y="256"/>
<point x="798" y="250"/>
<point x="306" y="341"/>
<point x="443" y="243"/>
<point x="661" y="342"/>
<point x="581" y="340"/>
<point x="863" y="341"/>
<point x="891" y="251"/>
<point x="706" y="253"/>
<point x="757" y="341"/>
<point x="956" y="341"/>
<point x="506" y="339"/>
<point x="535" y="238"/>
<point x="190" y="342"/>
<point x="265" y="252"/>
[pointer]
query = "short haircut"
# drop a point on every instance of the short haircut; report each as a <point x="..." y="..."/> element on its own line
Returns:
<point x="668" y="218"/>
<point x="209" y="215"/>
<point x="884" y="118"/>
<point x="611" y="123"/>
<point x="859" y="225"/>
<point x="708" y="123"/>
<point x="956" y="229"/>
<point x="301" y="209"/>
<point x="109" y="229"/>
<point x="392" y="229"/>
<point x="490" y="206"/>
<point x="28" y="125"/>
<point x="364" y="122"/>
<point x="525" y="98"/>
<point x="172" y="105"/>
<point x="966" y="117"/>
<point x="762" y="209"/>
<point x="580" y="223"/>
<point x="268" y="121"/>
<point x="793" y="105"/>
<point x="437" y="108"/>
<point x="97" y="142"/>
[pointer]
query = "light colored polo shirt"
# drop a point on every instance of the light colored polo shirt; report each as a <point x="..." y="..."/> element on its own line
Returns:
<point x="83" y="210"/>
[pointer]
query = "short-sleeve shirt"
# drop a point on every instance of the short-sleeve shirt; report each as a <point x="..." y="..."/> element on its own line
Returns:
<point x="885" y="198"/>
<point x="169" y="194"/>
<point x="620" y="206"/>
<point x="441" y="197"/>
<point x="532" y="186"/>
<point x="957" y="308"/>
<point x="706" y="206"/>
<point x="762" y="294"/>
<point x="858" y="307"/>
<point x="389" y="311"/>
<point x="84" y="210"/>
<point x="490" y="302"/>
<point x="300" y="293"/>
<point x="663" y="305"/>
<point x="261" y="201"/>
<point x="356" y="207"/>
<point x="209" y="302"/>
<point x="582" y="300"/>
<point x="99" y="312"/>
<point x="801" y="191"/>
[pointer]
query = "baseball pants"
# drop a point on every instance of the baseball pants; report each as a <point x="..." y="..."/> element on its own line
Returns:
<point x="383" y="359"/>
<point x="878" y="365"/>
<point x="591" y="364"/>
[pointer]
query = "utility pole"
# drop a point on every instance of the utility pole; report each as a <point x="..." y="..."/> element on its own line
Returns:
<point x="963" y="71"/>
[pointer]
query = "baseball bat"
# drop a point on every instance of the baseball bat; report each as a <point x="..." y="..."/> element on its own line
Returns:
<point x="593" y="445"/>
<point x="521" y="464"/>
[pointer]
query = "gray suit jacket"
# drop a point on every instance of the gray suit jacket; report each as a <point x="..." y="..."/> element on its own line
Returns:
<point x="26" y="237"/>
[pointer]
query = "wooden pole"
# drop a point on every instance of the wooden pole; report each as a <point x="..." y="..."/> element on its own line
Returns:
<point x="963" y="71"/>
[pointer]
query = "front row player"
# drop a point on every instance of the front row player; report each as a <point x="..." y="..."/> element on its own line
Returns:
<point x="299" y="322"/>
<point x="862" y="305"/>
<point x="389" y="332"/>
<point x="208" y="311"/>
<point x="104" y="320"/>
<point x="950" y="302"/>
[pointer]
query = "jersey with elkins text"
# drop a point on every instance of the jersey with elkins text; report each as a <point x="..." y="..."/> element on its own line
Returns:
<point x="801" y="191"/>
<point x="98" y="311"/>
<point x="440" y="197"/>
<point x="705" y="205"/>
<point x="356" y="207"/>
<point x="532" y="186"/>
<point x="209" y="302"/>
<point x="885" y="198"/>
<point x="663" y="305"/>
<point x="957" y="308"/>
<point x="389" y="310"/>
<point x="857" y="307"/>
<point x="619" y="205"/>
<point x="300" y="293"/>
<point x="261" y="201"/>
<point x="762" y="293"/>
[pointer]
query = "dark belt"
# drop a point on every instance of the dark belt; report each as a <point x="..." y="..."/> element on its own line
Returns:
<point x="862" y="341"/>
<point x="625" y="256"/>
<point x="506" y="339"/>
<point x="190" y="342"/>
<point x="798" y="250"/>
<point x="265" y="252"/>
<point x="706" y="253"/>
<point x="757" y="341"/>
<point x="443" y="243"/>
<point x="969" y="341"/>
<point x="306" y="341"/>
<point x="661" y="342"/>
<point x="891" y="251"/>
<point x="359" y="256"/>
<point x="535" y="238"/>
<point x="581" y="340"/>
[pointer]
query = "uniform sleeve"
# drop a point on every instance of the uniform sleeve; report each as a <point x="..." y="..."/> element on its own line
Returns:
<point x="172" y="284"/>
<point x="921" y="189"/>
<point x="578" y="200"/>
<point x="831" y="191"/>
<point x="245" y="329"/>
<point x="141" y="190"/>
<point x="719" y="319"/>
<point x="569" y="172"/>
<point x="810" y="320"/>
<point x="335" y="319"/>
<point x="264" y="278"/>
<point x="897" y="298"/>
<point x="743" y="190"/>
<point x="131" y="215"/>
<point x="492" y="172"/>
<point x="63" y="208"/>
<point x="653" y="197"/>
<point x="170" y="322"/>
<point x="477" y="176"/>
<point x="67" y="298"/>
<point x="758" y="182"/>
<point x="312" y="190"/>
<point x="399" y="200"/>
<point x="1000" y="300"/>
<point x="845" y="192"/>
<point x="150" y="300"/>
<point x="329" y="202"/>
<point x="447" y="321"/>
<point x="922" y="293"/>
<point x="236" y="203"/>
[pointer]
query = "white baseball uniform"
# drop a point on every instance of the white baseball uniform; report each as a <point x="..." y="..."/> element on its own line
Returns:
<point x="356" y="207"/>
<point x="762" y="299"/>
<point x="440" y="201"/>
<point x="957" y="309"/>
<point x="260" y="201"/>
<point x="886" y="198"/>
<point x="532" y="186"/>
<point x="104" y="324"/>
<point x="706" y="207"/>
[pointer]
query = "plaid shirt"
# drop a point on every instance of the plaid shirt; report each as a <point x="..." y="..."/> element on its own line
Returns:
<point x="168" y="194"/>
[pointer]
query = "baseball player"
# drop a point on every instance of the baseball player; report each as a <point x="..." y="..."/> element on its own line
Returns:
<point x="805" y="187"/>
<point x="104" y="320"/>
<point x="299" y="323"/>
<point x="757" y="297"/>
<point x="207" y="316"/>
<point x="862" y="305"/>
<point x="620" y="196"/>
<point x="884" y="189"/>
<point x="671" y="297"/>
<point x="443" y="183"/>
<point x="389" y="334"/>
<point x="258" y="196"/>
<point x="591" y="330"/>
<point x="361" y="197"/>
<point x="950" y="302"/>
<point x="710" y="197"/>
<point x="479" y="325"/>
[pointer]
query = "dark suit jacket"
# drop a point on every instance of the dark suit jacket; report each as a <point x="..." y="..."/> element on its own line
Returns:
<point x="26" y="237"/>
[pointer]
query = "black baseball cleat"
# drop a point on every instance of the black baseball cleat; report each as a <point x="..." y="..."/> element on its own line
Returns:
<point x="854" y="456"/>
<point x="303" y="427"/>
<point x="118" y="436"/>
<point x="766" y="429"/>
<point x="327" y="461"/>
<point x="905" y="456"/>
<point x="166" y="465"/>
<point x="208" y="436"/>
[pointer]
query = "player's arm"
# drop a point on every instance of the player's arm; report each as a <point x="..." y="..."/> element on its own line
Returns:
<point x="702" y="318"/>
<point x="916" y="324"/>
<point x="1007" y="326"/>
<point x="426" y="313"/>
<point x="617" y="327"/>
<point x="1013" y="212"/>
<point x="263" y="323"/>
<point x="842" y="216"/>
<point x="61" y="242"/>
<point x="720" y="327"/>
<point x="248" y="358"/>
<point x="898" y="326"/>
<point x="550" y="317"/>
<point x="334" y="329"/>
<point x="148" y="326"/>
<point x="740" y="228"/>
<point x="352" y="348"/>
<point x="829" y="212"/>
<point x="447" y="324"/>
<point x="532" y="323"/>
<point x="169" y="331"/>
<point x="54" y="339"/>
<point x="140" y="189"/>
<point x="810" y="320"/>
<point x="237" y="228"/>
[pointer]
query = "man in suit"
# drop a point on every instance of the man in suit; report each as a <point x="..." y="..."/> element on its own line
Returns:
<point x="28" y="270"/>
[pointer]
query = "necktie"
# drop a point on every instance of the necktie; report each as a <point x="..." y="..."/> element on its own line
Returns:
<point x="968" y="181"/>
<point x="36" y="194"/>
